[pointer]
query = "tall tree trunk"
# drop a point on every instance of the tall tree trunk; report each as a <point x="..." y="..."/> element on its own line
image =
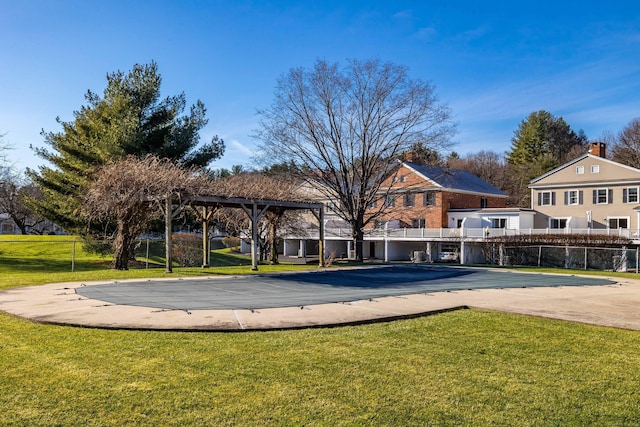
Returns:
<point x="22" y="227"/>
<point x="273" y="248"/>
<point x="358" y="238"/>
<point x="121" y="247"/>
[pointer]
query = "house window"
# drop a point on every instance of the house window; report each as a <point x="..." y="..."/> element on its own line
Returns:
<point x="372" y="204"/>
<point x="557" y="223"/>
<point x="403" y="178"/>
<point x="619" y="222"/>
<point x="429" y="199"/>
<point x="595" y="168"/>
<point x="498" y="222"/>
<point x="630" y="195"/>
<point x="418" y="223"/>
<point x="573" y="197"/>
<point x="601" y="196"/>
<point x="378" y="223"/>
<point x="409" y="200"/>
<point x="390" y="201"/>
<point x="483" y="202"/>
<point x="579" y="170"/>
<point x="546" y="198"/>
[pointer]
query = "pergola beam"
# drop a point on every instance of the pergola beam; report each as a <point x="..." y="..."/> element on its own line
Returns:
<point x="258" y="208"/>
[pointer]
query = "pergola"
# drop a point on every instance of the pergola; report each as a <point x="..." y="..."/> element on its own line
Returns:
<point x="254" y="208"/>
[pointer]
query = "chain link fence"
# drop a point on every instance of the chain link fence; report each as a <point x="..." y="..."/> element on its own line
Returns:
<point x="62" y="252"/>
<point x="571" y="257"/>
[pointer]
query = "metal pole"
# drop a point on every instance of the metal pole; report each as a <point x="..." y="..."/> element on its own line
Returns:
<point x="539" y="255"/>
<point x="73" y="257"/>
<point x="586" y="260"/>
<point x="147" y="263"/>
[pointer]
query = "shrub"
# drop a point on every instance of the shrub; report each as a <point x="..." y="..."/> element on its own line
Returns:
<point x="187" y="249"/>
<point x="231" y="242"/>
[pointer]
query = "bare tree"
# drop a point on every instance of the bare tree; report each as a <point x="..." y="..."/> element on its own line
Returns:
<point x="267" y="187"/>
<point x="626" y="148"/>
<point x="347" y="126"/>
<point x="487" y="165"/>
<point x="4" y="147"/>
<point x="14" y="190"/>
<point x="131" y="191"/>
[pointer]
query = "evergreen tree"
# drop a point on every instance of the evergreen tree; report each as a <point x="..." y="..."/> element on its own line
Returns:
<point x="541" y="143"/>
<point x="130" y="118"/>
<point x="543" y="135"/>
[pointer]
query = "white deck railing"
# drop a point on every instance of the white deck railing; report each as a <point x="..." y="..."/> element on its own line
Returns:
<point x="457" y="233"/>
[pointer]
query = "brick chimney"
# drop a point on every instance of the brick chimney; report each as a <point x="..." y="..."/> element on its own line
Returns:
<point x="597" y="149"/>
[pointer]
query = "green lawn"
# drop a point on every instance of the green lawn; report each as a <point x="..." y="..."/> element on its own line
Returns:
<point x="32" y="260"/>
<point x="459" y="368"/>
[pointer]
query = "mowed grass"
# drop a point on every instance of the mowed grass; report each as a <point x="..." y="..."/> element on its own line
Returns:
<point x="32" y="260"/>
<point x="459" y="368"/>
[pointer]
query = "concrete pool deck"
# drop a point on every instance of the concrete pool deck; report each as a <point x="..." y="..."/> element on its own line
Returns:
<point x="323" y="299"/>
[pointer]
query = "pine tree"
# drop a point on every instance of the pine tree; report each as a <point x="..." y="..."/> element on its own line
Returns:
<point x="541" y="143"/>
<point x="130" y="118"/>
<point x="542" y="135"/>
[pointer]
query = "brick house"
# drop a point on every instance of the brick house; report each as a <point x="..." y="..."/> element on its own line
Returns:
<point x="422" y="196"/>
<point x="425" y="209"/>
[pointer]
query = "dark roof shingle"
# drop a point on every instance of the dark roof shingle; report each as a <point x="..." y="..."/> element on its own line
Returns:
<point x="455" y="179"/>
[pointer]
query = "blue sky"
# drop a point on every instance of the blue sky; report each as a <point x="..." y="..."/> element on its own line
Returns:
<point x="493" y="63"/>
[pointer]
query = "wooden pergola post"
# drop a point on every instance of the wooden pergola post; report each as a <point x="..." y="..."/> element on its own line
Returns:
<point x="206" y="251"/>
<point x="254" y="237"/>
<point x="320" y="217"/>
<point x="255" y="212"/>
<point x="254" y="217"/>
<point x="168" y="226"/>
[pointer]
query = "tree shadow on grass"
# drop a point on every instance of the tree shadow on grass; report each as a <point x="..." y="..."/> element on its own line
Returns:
<point x="42" y="264"/>
<point x="227" y="260"/>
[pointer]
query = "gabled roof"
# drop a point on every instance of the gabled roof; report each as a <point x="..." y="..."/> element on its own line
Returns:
<point x="455" y="179"/>
<point x="578" y="159"/>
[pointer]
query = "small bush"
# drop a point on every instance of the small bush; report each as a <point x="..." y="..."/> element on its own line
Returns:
<point x="187" y="249"/>
<point x="231" y="242"/>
